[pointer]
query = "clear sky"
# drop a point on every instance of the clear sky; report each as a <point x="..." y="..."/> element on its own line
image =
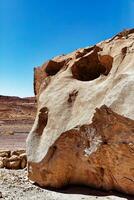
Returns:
<point x="32" y="31"/>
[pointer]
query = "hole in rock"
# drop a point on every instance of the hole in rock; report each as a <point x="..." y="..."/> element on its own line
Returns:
<point x="91" y="66"/>
<point x="72" y="96"/>
<point x="42" y="121"/>
<point x="53" y="67"/>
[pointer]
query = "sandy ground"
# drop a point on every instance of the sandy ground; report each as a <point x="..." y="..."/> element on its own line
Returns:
<point x="14" y="185"/>
<point x="13" y="142"/>
<point x="14" y="127"/>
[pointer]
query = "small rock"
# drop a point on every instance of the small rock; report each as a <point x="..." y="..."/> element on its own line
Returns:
<point x="14" y="158"/>
<point x="1" y="164"/>
<point x="12" y="163"/>
<point x="5" y="153"/>
<point x="18" y="152"/>
<point x="23" y="163"/>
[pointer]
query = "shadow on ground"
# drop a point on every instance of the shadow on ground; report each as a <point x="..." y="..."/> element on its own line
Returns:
<point x="84" y="190"/>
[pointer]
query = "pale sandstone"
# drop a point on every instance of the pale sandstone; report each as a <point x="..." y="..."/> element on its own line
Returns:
<point x="23" y="158"/>
<point x="67" y="98"/>
<point x="1" y="162"/>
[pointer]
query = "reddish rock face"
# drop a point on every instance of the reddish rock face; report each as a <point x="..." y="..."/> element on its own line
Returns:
<point x="50" y="68"/>
<point x="99" y="155"/>
<point x="68" y="144"/>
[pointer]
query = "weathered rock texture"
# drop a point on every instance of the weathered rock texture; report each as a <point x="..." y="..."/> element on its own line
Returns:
<point x="99" y="151"/>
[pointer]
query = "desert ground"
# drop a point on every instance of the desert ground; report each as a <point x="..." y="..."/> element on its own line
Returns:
<point x="16" y="114"/>
<point x="13" y="142"/>
<point x="14" y="184"/>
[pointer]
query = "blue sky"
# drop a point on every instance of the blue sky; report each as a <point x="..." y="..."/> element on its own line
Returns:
<point x="32" y="31"/>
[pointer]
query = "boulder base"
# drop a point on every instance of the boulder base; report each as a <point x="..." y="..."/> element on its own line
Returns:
<point x="99" y="155"/>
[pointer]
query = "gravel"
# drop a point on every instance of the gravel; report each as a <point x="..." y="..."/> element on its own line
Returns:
<point x="14" y="185"/>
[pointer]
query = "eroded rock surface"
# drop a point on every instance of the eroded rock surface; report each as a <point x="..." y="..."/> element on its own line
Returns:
<point x="69" y="88"/>
<point x="100" y="155"/>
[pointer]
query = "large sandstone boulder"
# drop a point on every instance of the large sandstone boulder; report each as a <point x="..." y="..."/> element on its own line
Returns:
<point x="67" y="145"/>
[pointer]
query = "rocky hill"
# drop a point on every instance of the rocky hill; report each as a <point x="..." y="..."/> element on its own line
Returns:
<point x="84" y="129"/>
<point x="16" y="114"/>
